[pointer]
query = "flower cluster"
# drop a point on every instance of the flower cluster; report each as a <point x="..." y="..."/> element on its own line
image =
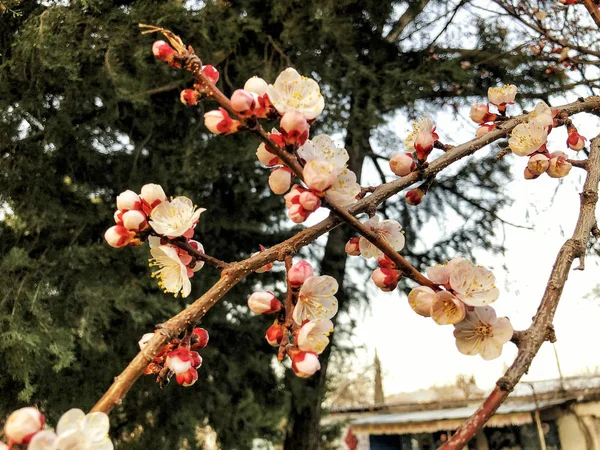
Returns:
<point x="151" y="216"/>
<point x="387" y="275"/>
<point x="499" y="97"/>
<point x="75" y="430"/>
<point x="419" y="144"/>
<point x="303" y="332"/>
<point x="177" y="358"/>
<point x="463" y="301"/>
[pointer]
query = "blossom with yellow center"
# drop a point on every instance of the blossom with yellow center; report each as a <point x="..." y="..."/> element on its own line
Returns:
<point x="291" y="91"/>
<point x="172" y="274"/>
<point x="175" y="218"/>
<point x="316" y="299"/>
<point x="482" y="333"/>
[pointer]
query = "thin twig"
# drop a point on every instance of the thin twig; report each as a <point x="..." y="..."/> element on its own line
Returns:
<point x="185" y="245"/>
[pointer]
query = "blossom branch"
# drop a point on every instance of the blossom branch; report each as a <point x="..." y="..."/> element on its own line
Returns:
<point x="185" y="245"/>
<point x="531" y="339"/>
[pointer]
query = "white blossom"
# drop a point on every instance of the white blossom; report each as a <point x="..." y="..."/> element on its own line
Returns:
<point x="313" y="336"/>
<point x="291" y="91"/>
<point x="345" y="189"/>
<point x="176" y="217"/>
<point x="323" y="148"/>
<point x="423" y="124"/>
<point x="389" y="230"/>
<point x="173" y="275"/>
<point x="502" y="95"/>
<point x="528" y="137"/>
<point x="474" y="285"/>
<point x="482" y="333"/>
<point x="316" y="299"/>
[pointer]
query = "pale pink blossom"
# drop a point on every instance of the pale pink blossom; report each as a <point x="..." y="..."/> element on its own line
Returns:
<point x="175" y="218"/>
<point x="280" y="180"/>
<point x="256" y="85"/>
<point x="474" y="285"/>
<point x="482" y="333"/>
<point x="305" y="364"/>
<point x="319" y="175"/>
<point x="389" y="230"/>
<point x="543" y="114"/>
<point x="528" y="137"/>
<point x="314" y="336"/>
<point x="316" y="299"/>
<point x="440" y="274"/>
<point x="559" y="165"/>
<point x="323" y="148"/>
<point x="299" y="273"/>
<point x="502" y="95"/>
<point x="447" y="309"/>
<point x="264" y="303"/>
<point x="172" y="274"/>
<point x="420" y="300"/>
<point x="22" y="424"/>
<point x="291" y="91"/>
<point x="402" y="164"/>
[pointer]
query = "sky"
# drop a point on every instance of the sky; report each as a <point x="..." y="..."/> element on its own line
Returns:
<point x="416" y="353"/>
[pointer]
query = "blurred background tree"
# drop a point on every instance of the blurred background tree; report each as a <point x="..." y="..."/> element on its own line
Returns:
<point x="87" y="112"/>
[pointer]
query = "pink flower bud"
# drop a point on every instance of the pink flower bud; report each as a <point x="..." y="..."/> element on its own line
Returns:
<point x="219" y="122"/>
<point x="179" y="360"/>
<point x="274" y="335"/>
<point x="310" y="201"/>
<point x="538" y="164"/>
<point x="163" y="51"/>
<point x="414" y="196"/>
<point x="402" y="164"/>
<point x="22" y="424"/>
<point x="420" y="300"/>
<point x="152" y="195"/>
<point x="575" y="141"/>
<point x="484" y="129"/>
<point x="386" y="279"/>
<point x="559" y="166"/>
<point x="352" y="247"/>
<point x="128" y="200"/>
<point x="266" y="157"/>
<point x="211" y="73"/>
<point x="145" y="339"/>
<point x="118" y="236"/>
<point x="256" y="85"/>
<point x="305" y="364"/>
<point x="479" y="112"/>
<point x="264" y="303"/>
<point x="385" y="261"/>
<point x="196" y="360"/>
<point x="423" y="145"/>
<point x="319" y="175"/>
<point x="199" y="338"/>
<point x="134" y="220"/>
<point x="242" y="101"/>
<point x="189" y="97"/>
<point x="293" y="197"/>
<point x="187" y="378"/>
<point x="280" y="180"/>
<point x="298" y="273"/>
<point x="297" y="213"/>
<point x="294" y="128"/>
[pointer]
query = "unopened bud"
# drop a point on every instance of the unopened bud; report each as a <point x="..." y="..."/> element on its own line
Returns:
<point x="145" y="339"/>
<point x="423" y="145"/>
<point x="211" y="73"/>
<point x="528" y="175"/>
<point x="484" y="129"/>
<point x="128" y="200"/>
<point x="420" y="300"/>
<point x="242" y="101"/>
<point x="22" y="424"/>
<point x="386" y="279"/>
<point x="280" y="180"/>
<point x="294" y="128"/>
<point x="199" y="338"/>
<point x="266" y="157"/>
<point x="559" y="166"/>
<point x="402" y="164"/>
<point x="414" y="196"/>
<point x="310" y="201"/>
<point x="163" y="51"/>
<point x="299" y="273"/>
<point x="293" y="197"/>
<point x="538" y="164"/>
<point x="264" y="303"/>
<point x="134" y="220"/>
<point x="152" y="195"/>
<point x="179" y="360"/>
<point x="297" y="213"/>
<point x="385" y="261"/>
<point x="118" y="236"/>
<point x="256" y="85"/>
<point x="219" y="122"/>
<point x="274" y="335"/>
<point x="575" y="141"/>
<point x="479" y="112"/>
<point x="187" y="378"/>
<point x="352" y="247"/>
<point x="189" y="97"/>
<point x="305" y="364"/>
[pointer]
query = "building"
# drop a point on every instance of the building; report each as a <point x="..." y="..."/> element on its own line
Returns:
<point x="544" y="415"/>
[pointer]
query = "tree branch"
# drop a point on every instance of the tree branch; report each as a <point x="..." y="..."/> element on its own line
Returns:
<point x="531" y="340"/>
<point x="405" y="19"/>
